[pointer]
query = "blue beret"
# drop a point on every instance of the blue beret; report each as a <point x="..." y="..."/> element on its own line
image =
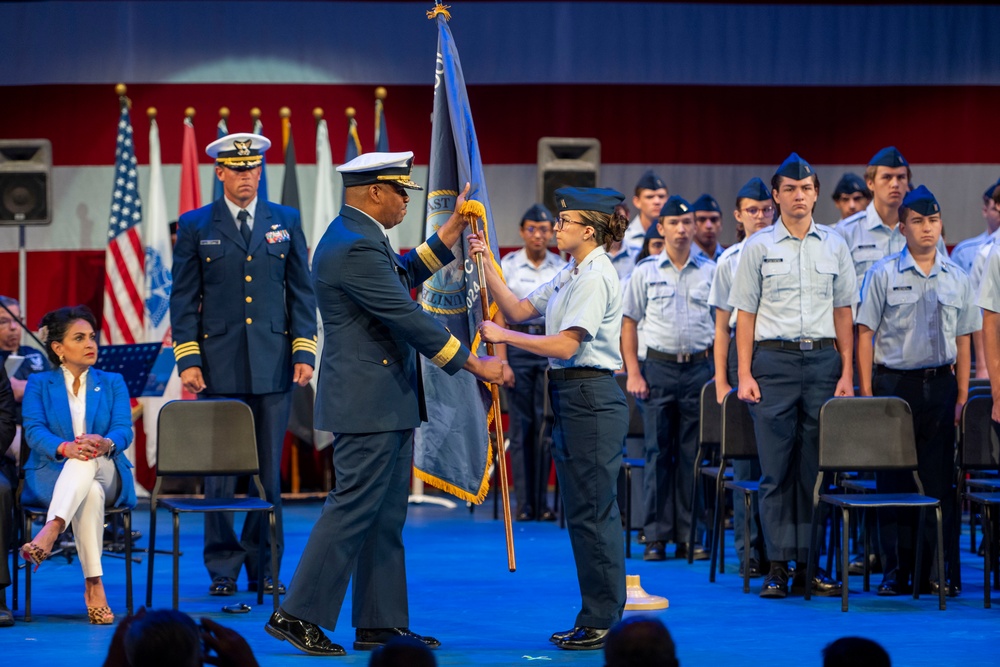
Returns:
<point x="650" y="181"/>
<point x="706" y="203"/>
<point x="922" y="201"/>
<point x="849" y="184"/>
<point x="675" y="206"/>
<point x="795" y="168"/>
<point x="653" y="232"/>
<point x="538" y="213"/>
<point x="990" y="190"/>
<point x="755" y="189"/>
<point x="601" y="200"/>
<point x="888" y="157"/>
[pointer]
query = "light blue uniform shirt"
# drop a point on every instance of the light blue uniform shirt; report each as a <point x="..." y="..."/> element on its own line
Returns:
<point x="989" y="291"/>
<point x="964" y="252"/>
<point x="624" y="262"/>
<point x="588" y="297"/>
<point x="980" y="259"/>
<point x="718" y="297"/>
<point x="523" y="277"/>
<point x="793" y="285"/>
<point x="869" y="239"/>
<point x="635" y="235"/>
<point x="719" y="250"/>
<point x="916" y="317"/>
<point x="673" y="304"/>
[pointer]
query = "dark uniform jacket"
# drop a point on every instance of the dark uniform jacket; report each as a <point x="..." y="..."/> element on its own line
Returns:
<point x="372" y="328"/>
<point x="244" y="315"/>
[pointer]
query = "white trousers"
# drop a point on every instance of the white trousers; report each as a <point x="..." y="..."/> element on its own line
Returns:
<point x="79" y="498"/>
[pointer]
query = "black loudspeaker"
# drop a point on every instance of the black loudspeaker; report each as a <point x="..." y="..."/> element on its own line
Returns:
<point x="566" y="161"/>
<point x="25" y="182"/>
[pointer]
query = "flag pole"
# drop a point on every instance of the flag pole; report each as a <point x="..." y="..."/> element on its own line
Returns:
<point x="473" y="213"/>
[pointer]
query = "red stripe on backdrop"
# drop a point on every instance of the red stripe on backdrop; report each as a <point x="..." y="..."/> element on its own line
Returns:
<point x="636" y="124"/>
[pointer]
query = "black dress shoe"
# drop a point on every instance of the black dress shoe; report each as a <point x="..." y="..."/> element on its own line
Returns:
<point x="559" y="636"/>
<point x="305" y="636"/>
<point x="951" y="591"/>
<point x="698" y="552"/>
<point x="857" y="565"/>
<point x="268" y="586"/>
<point x="222" y="586"/>
<point x="775" y="583"/>
<point x="822" y="585"/>
<point x="584" y="639"/>
<point x="525" y="514"/>
<point x="366" y="639"/>
<point x="755" y="571"/>
<point x="655" y="551"/>
<point x="641" y="536"/>
<point x="893" y="585"/>
<point x="547" y="515"/>
<point x="6" y="617"/>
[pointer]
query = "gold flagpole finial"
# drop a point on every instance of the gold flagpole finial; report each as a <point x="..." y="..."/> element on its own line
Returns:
<point x="349" y="112"/>
<point x="189" y="113"/>
<point x="440" y="9"/>
<point x="380" y="93"/>
<point x="224" y="112"/>
<point x="255" y="114"/>
<point x="318" y="114"/>
<point x="120" y="89"/>
<point x="285" y="112"/>
<point x="151" y="112"/>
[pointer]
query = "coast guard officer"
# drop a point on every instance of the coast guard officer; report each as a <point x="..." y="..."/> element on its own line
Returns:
<point x="370" y="397"/>
<point x="794" y="289"/>
<point x="668" y="293"/>
<point x="914" y="322"/>
<point x="244" y="326"/>
<point x="754" y="212"/>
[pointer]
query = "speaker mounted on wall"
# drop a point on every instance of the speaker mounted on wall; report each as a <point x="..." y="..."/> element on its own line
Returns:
<point x="25" y="182"/>
<point x="566" y="161"/>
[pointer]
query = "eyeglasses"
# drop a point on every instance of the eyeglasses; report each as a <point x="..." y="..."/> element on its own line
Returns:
<point x="754" y="211"/>
<point x="562" y="222"/>
<point x="398" y="189"/>
<point x="531" y="230"/>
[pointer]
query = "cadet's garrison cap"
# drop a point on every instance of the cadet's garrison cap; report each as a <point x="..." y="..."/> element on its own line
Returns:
<point x="990" y="190"/>
<point x="675" y="206"/>
<point x="849" y="184"/>
<point x="371" y="168"/>
<point x="538" y="213"/>
<point x="601" y="200"/>
<point x="706" y="202"/>
<point x="650" y="181"/>
<point x="653" y="232"/>
<point x="795" y="168"/>
<point x="240" y="151"/>
<point x="755" y="189"/>
<point x="922" y="201"/>
<point x="888" y="157"/>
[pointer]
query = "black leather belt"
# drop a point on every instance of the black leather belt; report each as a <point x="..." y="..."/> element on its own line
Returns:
<point x="921" y="373"/>
<point x="559" y="374"/>
<point x="803" y="345"/>
<point x="681" y="358"/>
<point x="533" y="329"/>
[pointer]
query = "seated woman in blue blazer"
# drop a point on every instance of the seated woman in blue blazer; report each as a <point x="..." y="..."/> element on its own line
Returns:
<point x="78" y="423"/>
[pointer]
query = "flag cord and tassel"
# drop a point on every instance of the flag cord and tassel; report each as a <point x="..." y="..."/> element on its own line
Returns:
<point x="473" y="211"/>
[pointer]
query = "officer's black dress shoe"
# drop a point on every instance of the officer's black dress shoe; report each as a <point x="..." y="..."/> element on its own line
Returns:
<point x="547" y="515"/>
<point x="857" y="565"/>
<point x="951" y="591"/>
<point x="891" y="585"/>
<point x="366" y="639"/>
<point x="698" y="552"/>
<point x="305" y="636"/>
<point x="655" y="551"/>
<point x="565" y="634"/>
<point x="755" y="570"/>
<point x="525" y="514"/>
<point x="775" y="583"/>
<point x="222" y="586"/>
<point x="584" y="639"/>
<point x="822" y="585"/>
<point x="6" y="617"/>
<point x="268" y="586"/>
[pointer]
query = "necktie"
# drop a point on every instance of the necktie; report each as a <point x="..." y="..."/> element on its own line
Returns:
<point x="244" y="227"/>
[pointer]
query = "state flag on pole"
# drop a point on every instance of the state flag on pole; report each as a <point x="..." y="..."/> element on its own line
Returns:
<point x="382" y="146"/>
<point x="452" y="450"/>
<point x="222" y="129"/>
<point x="323" y="213"/>
<point x="258" y="128"/>
<point x="159" y="258"/>
<point x="290" y="181"/>
<point x="190" y="182"/>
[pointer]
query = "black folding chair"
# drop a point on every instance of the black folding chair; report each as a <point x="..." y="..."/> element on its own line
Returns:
<point x="633" y="441"/>
<point x="978" y="453"/>
<point x="869" y="434"/>
<point x="705" y="469"/>
<point x="208" y="438"/>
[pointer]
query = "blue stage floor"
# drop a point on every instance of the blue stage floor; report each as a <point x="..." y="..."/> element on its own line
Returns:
<point x="461" y="592"/>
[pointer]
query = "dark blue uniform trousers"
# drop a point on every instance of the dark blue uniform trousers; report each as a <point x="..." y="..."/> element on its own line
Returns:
<point x="224" y="553"/>
<point x="529" y="445"/>
<point x="745" y="470"/>
<point x="932" y="402"/>
<point x="359" y="536"/>
<point x="8" y="479"/>
<point x="793" y="387"/>
<point x="591" y="421"/>
<point x="670" y="423"/>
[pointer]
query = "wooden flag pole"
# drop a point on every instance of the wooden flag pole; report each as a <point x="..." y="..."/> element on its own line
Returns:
<point x="498" y="426"/>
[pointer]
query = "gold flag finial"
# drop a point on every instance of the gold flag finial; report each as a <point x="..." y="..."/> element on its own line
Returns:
<point x="440" y="9"/>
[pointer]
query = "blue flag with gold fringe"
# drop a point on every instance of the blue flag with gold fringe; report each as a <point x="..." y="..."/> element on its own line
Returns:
<point x="452" y="451"/>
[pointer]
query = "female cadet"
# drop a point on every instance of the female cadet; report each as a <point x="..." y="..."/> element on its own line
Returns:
<point x="583" y="315"/>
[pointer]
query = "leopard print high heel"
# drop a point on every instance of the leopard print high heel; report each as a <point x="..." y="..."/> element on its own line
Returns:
<point x="100" y="615"/>
<point x="34" y="553"/>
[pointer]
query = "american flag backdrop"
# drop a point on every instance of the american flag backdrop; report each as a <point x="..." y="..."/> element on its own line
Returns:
<point x="124" y="261"/>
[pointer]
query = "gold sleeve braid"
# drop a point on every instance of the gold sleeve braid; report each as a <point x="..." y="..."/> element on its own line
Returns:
<point x="446" y="353"/>
<point x="182" y="350"/>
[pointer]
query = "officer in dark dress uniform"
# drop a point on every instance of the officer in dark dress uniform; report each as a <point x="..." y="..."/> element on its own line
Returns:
<point x="370" y="397"/>
<point x="244" y="326"/>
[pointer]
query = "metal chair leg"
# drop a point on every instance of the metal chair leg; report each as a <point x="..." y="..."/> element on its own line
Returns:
<point x="127" y="521"/>
<point x="942" y="582"/>
<point x="628" y="511"/>
<point x="177" y="558"/>
<point x="845" y="555"/>
<point x="747" y="517"/>
<point x="274" y="559"/>
<point x="152" y="552"/>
